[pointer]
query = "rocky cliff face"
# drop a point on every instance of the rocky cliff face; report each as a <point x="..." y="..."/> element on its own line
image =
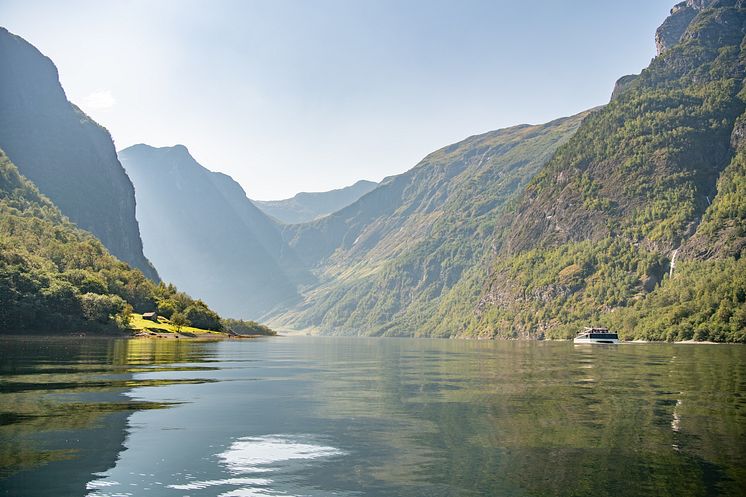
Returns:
<point x="69" y="157"/>
<point x="600" y="184"/>
<point x="207" y="237"/>
<point x="722" y="231"/>
<point x="673" y="28"/>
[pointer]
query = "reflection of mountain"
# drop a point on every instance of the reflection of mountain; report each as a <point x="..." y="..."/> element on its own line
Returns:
<point x="521" y="419"/>
<point x="65" y="409"/>
<point x="50" y="445"/>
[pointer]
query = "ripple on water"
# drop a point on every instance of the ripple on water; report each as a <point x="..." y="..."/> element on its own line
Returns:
<point x="249" y="456"/>
<point x="260" y="454"/>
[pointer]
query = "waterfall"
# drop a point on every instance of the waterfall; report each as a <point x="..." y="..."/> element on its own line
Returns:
<point x="673" y="262"/>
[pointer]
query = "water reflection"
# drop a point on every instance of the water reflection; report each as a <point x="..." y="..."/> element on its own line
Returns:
<point x="64" y="408"/>
<point x="340" y="416"/>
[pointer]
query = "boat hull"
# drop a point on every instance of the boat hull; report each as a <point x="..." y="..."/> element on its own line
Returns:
<point x="592" y="341"/>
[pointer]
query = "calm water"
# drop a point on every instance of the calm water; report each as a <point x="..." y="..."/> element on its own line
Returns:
<point x="369" y="417"/>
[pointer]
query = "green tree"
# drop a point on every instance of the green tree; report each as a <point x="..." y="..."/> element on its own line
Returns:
<point x="124" y="317"/>
<point x="179" y="320"/>
<point x="101" y="308"/>
<point x="201" y="316"/>
<point x="167" y="308"/>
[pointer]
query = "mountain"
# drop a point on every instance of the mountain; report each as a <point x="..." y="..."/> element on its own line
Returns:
<point x="56" y="277"/>
<point x="638" y="221"/>
<point x="206" y="236"/>
<point x="308" y="206"/>
<point x="68" y="156"/>
<point x="385" y="261"/>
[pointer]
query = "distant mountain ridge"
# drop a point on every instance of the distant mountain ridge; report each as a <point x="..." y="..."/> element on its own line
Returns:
<point x="385" y="261"/>
<point x="636" y="221"/>
<point x="309" y="206"/>
<point x="631" y="215"/>
<point x="206" y="236"/>
<point x="68" y="156"/>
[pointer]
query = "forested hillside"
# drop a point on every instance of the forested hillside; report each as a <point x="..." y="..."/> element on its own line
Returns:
<point x="55" y="277"/>
<point x="385" y="261"/>
<point x="638" y="221"/>
<point x="68" y="156"/>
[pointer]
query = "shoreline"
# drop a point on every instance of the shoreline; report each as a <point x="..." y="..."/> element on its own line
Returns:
<point x="215" y="335"/>
<point x="219" y="335"/>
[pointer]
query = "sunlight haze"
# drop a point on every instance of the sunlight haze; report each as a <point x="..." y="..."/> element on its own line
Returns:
<point x="289" y="96"/>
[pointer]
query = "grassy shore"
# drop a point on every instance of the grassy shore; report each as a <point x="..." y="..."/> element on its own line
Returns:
<point x="145" y="328"/>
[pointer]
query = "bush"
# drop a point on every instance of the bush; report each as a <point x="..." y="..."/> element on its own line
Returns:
<point x="200" y="316"/>
<point x="242" y="327"/>
<point x="101" y="308"/>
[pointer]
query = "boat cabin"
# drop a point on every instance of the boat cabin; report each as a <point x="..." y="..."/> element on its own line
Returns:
<point x="596" y="335"/>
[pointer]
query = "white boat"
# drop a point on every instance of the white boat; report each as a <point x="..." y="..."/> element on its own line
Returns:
<point x="596" y="335"/>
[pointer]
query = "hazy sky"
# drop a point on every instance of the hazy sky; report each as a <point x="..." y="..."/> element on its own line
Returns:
<point x="289" y="96"/>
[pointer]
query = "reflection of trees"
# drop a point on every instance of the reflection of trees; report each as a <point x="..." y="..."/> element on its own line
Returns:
<point x="549" y="418"/>
<point x="64" y="409"/>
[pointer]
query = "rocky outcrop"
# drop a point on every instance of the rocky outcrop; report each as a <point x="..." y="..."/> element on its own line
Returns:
<point x="623" y="84"/>
<point x="673" y="28"/>
<point x="68" y="156"/>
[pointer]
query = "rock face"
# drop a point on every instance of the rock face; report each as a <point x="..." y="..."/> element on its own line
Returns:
<point x="673" y="28"/>
<point x="309" y="206"/>
<point x="622" y="84"/>
<point x="205" y="236"/>
<point x="68" y="156"/>
<point x="722" y="231"/>
<point x="597" y="185"/>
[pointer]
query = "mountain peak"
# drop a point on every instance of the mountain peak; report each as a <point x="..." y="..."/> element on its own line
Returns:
<point x="675" y="26"/>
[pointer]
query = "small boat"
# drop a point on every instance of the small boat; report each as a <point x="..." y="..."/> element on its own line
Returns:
<point x="596" y="335"/>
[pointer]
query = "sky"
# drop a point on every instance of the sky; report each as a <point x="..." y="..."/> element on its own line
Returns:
<point x="310" y="95"/>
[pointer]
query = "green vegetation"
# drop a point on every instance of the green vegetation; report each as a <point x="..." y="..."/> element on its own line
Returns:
<point x="241" y="327"/>
<point x="55" y="277"/>
<point x="465" y="245"/>
<point x="67" y="155"/>
<point x="386" y="260"/>
<point x="178" y="324"/>
<point x="658" y="169"/>
<point x="704" y="300"/>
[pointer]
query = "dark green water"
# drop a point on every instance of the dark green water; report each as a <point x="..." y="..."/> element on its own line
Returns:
<point x="369" y="417"/>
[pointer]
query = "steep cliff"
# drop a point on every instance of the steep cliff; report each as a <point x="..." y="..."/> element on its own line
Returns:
<point x="207" y="237"/>
<point x="69" y="157"/>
